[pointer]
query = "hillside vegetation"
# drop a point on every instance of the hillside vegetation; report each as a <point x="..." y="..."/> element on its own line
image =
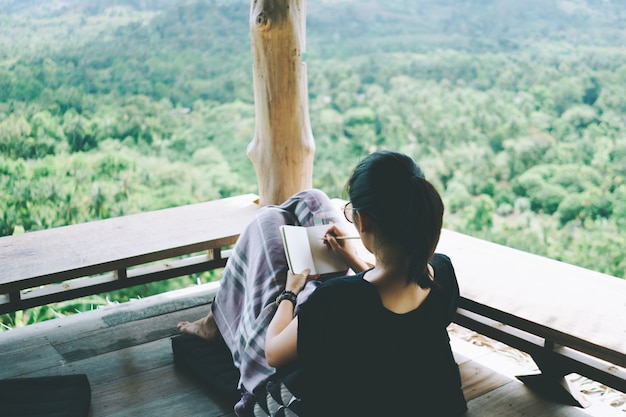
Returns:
<point x="516" y="110"/>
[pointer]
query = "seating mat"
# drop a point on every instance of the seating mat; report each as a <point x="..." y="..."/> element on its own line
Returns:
<point x="49" y="396"/>
<point x="210" y="362"/>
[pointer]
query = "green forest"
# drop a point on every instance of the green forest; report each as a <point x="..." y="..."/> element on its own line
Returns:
<point x="515" y="110"/>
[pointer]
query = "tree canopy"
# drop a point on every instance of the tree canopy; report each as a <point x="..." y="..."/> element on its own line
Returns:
<point x="515" y="110"/>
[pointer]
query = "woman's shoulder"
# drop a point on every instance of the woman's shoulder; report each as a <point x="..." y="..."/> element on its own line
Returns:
<point x="442" y="264"/>
<point x="444" y="270"/>
<point x="345" y="283"/>
<point x="329" y="298"/>
<point x="338" y="287"/>
<point x="440" y="259"/>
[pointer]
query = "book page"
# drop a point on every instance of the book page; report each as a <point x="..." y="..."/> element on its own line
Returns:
<point x="297" y="250"/>
<point x="325" y="260"/>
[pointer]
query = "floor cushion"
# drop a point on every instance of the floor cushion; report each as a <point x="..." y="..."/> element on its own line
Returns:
<point x="210" y="362"/>
<point x="49" y="396"/>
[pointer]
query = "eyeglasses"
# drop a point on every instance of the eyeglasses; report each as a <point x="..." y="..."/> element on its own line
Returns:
<point x="348" y="212"/>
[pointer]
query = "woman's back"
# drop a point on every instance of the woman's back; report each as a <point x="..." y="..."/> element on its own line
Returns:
<point x="360" y="359"/>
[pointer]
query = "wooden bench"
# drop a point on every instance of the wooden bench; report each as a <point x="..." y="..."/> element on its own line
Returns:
<point x="569" y="319"/>
<point x="68" y="262"/>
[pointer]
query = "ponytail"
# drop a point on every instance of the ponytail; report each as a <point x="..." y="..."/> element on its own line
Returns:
<point x="391" y="189"/>
<point x="424" y="219"/>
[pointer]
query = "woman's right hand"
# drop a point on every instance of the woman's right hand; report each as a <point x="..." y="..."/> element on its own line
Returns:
<point x="344" y="248"/>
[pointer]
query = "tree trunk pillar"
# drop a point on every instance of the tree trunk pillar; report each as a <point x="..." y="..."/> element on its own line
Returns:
<point x="282" y="149"/>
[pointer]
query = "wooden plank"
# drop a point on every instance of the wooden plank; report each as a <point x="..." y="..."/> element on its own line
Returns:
<point x="110" y="282"/>
<point x="570" y="300"/>
<point x="21" y="362"/>
<point x="478" y="379"/>
<point x="116" y="364"/>
<point x="65" y="328"/>
<point x="64" y="253"/>
<point x="502" y="321"/>
<point x="128" y="334"/>
<point x="162" y="391"/>
<point x="78" y="326"/>
<point x="514" y="400"/>
<point x="565" y="358"/>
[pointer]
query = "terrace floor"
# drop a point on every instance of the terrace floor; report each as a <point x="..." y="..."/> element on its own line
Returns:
<point x="125" y="350"/>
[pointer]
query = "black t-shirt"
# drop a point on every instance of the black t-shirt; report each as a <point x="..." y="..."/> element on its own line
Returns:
<point x="360" y="359"/>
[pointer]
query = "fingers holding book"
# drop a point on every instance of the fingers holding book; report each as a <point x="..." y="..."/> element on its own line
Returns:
<point x="295" y="282"/>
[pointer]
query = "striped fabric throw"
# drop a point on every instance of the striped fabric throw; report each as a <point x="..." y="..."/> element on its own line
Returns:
<point x="254" y="276"/>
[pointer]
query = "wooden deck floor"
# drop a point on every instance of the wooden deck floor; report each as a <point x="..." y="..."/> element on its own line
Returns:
<point x="125" y="350"/>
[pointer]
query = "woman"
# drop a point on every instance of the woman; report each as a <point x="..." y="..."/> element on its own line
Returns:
<point x="375" y="343"/>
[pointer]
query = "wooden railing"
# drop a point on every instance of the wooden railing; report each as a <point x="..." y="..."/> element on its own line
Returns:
<point x="569" y="319"/>
<point x="64" y="263"/>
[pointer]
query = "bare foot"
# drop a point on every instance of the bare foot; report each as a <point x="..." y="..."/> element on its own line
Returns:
<point x="206" y="328"/>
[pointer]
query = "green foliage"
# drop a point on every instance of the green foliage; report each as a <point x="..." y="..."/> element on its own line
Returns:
<point x="526" y="152"/>
<point x="598" y="240"/>
<point x="514" y="110"/>
<point x="457" y="197"/>
<point x="547" y="198"/>
<point x="17" y="140"/>
<point x="588" y="205"/>
<point x="479" y="216"/>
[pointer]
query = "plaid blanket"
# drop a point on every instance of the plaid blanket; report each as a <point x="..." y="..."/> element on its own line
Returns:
<point x="254" y="276"/>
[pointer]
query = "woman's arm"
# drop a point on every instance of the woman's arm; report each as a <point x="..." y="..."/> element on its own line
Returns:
<point x="281" y="340"/>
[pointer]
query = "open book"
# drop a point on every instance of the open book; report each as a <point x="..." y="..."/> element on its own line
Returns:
<point x="304" y="248"/>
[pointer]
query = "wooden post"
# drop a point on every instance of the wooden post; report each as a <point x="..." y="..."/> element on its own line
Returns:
<point x="282" y="149"/>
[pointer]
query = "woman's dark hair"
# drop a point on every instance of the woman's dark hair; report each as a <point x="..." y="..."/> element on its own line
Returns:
<point x="391" y="189"/>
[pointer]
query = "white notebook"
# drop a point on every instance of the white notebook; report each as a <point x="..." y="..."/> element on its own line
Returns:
<point x="304" y="248"/>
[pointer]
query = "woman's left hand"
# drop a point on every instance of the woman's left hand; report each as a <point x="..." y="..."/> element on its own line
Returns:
<point x="295" y="282"/>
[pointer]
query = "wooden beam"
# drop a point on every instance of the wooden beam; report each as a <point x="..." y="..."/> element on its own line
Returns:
<point x="86" y="286"/>
<point x="559" y="337"/>
<point x="565" y="358"/>
<point x="282" y="149"/>
<point x="566" y="304"/>
<point x="64" y="253"/>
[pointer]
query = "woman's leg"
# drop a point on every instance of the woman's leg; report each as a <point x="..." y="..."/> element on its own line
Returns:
<point x="253" y="277"/>
<point x="256" y="274"/>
